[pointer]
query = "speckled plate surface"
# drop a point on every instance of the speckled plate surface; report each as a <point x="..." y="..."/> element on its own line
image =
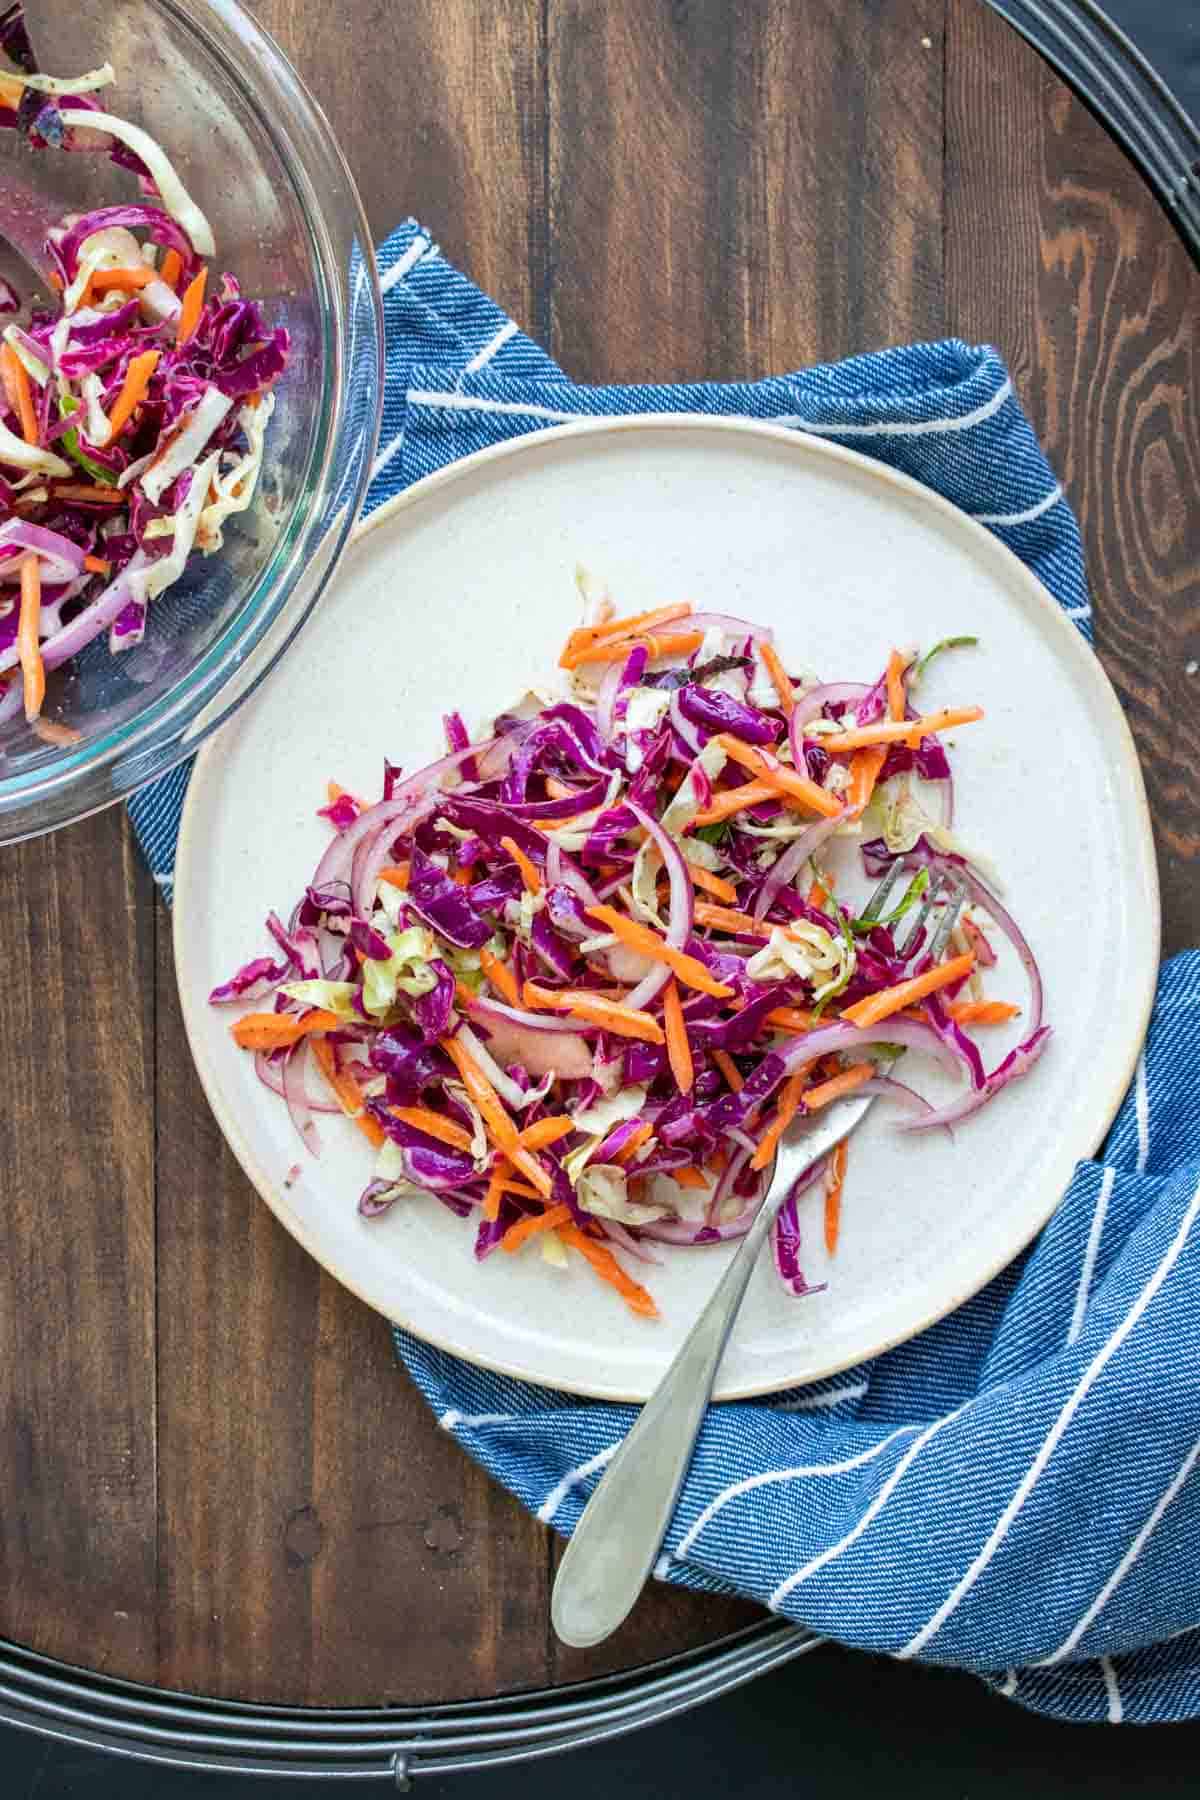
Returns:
<point x="458" y="594"/>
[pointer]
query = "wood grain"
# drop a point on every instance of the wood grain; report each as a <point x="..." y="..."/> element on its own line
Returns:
<point x="211" y="1473"/>
<point x="1058" y="252"/>
<point x="77" y="1376"/>
<point x="737" y="190"/>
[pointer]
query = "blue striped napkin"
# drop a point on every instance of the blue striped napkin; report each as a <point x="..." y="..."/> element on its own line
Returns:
<point x="1014" y="1491"/>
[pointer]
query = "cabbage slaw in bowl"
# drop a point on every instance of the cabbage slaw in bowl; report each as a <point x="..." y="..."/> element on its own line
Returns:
<point x="134" y="412"/>
<point x="577" y="977"/>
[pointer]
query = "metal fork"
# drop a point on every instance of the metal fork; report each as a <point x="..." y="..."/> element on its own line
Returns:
<point x="616" y="1541"/>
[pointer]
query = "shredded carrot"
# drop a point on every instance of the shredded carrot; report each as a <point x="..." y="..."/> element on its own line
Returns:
<point x="495" y="1188"/>
<point x="133" y="391"/>
<point x="92" y="493"/>
<point x="727" y="918"/>
<point x="422" y="1118"/>
<point x="128" y="279"/>
<point x="691" y="1177"/>
<point x="55" y="280"/>
<point x="590" y="635"/>
<point x="191" y="306"/>
<point x="779" y="677"/>
<point x="277" y="1031"/>
<point x="172" y="267"/>
<point x="524" y="1229"/>
<point x="690" y="970"/>
<point x="500" y="976"/>
<point x="610" y="1270"/>
<point x="789" y="1106"/>
<point x="790" y="1018"/>
<point x="833" y="1196"/>
<point x="900" y="731"/>
<point x="460" y="875"/>
<point x="529" y="875"/>
<point x="29" y="650"/>
<point x="334" y="791"/>
<point x="982" y="1012"/>
<point x="895" y="685"/>
<point x="865" y="768"/>
<point x="728" y="801"/>
<point x="679" y="1051"/>
<point x="667" y="643"/>
<point x="882" y="1005"/>
<point x="585" y="1003"/>
<point x="97" y="565"/>
<point x="546" y="1131"/>
<point x="633" y="1143"/>
<point x="347" y="1093"/>
<point x="784" y="781"/>
<point x="396" y="876"/>
<point x="712" y="884"/>
<point x="559" y="790"/>
<point x="499" y="1126"/>
<point x="18" y="392"/>
<point x="818" y="894"/>
<point x="729" y="1070"/>
<point x="837" y="1086"/>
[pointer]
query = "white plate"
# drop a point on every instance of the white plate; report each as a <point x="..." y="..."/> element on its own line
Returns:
<point x="459" y="594"/>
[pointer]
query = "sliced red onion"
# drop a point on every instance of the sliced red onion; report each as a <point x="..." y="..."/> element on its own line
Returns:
<point x="625" y="1240"/>
<point x="792" y="860"/>
<point x="1018" y="1062"/>
<point x="495" y="1011"/>
<point x="271" y="1076"/>
<point x="725" y="622"/>
<point x="679" y="916"/>
<point x="296" y="1095"/>
<point x="338" y="860"/>
<point x="845" y="1038"/>
<point x="62" y="561"/>
<point x="888" y="1088"/>
<point x="813" y="702"/>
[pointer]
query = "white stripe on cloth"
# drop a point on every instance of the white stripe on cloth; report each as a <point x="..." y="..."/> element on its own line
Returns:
<point x="507" y="330"/>
<point x="903" y="428"/>
<point x="1009" y="1685"/>
<point x="815" y="1402"/>
<point x="450" y="1420"/>
<point x="1051" y="1441"/>
<point x="522" y="409"/>
<point x="399" y="269"/>
<point x="385" y="456"/>
<point x="1116" y="1712"/>
<point x="1023" y="518"/>
<point x="769" y="1477"/>
<point x="1130" y="1557"/>
<point x="557" y="1495"/>
<point x="1142" y="1108"/>
<point x="1078" y="612"/>
<point x="877" y="1505"/>
<point x="1091" y="1253"/>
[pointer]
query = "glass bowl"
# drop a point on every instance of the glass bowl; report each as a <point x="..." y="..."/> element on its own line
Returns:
<point x="258" y="155"/>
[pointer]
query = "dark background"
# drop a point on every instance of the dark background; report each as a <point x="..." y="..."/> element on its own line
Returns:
<point x="832" y="1723"/>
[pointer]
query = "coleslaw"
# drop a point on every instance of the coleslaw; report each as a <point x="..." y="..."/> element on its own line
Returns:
<point x="134" y="410"/>
<point x="576" y="978"/>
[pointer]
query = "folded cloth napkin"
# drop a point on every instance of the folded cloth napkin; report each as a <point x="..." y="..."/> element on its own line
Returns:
<point x="1013" y="1492"/>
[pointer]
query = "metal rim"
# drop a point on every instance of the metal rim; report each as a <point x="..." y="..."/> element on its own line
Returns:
<point x="395" y="1744"/>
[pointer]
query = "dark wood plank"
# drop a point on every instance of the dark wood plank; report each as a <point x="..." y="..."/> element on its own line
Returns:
<point x="439" y="111"/>
<point x="321" y="1539"/>
<point x="77" y="1386"/>
<point x="736" y="191"/>
<point x="1058" y="252"/>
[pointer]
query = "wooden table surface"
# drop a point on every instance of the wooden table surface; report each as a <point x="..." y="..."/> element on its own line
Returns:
<point x="212" y="1475"/>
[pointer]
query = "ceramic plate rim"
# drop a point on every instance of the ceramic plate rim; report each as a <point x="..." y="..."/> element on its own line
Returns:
<point x="1074" y="648"/>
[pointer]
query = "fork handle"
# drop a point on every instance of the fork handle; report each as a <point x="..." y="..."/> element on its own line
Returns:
<point x="617" y="1539"/>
